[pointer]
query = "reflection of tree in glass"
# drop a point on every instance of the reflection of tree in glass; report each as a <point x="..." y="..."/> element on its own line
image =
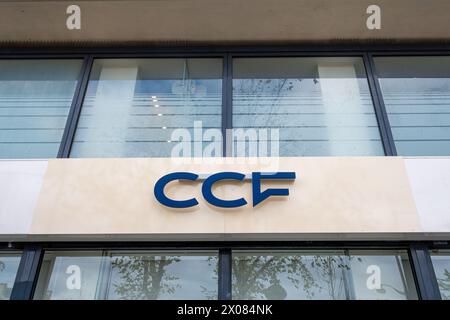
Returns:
<point x="267" y="103"/>
<point x="257" y="277"/>
<point x="211" y="294"/>
<point x="444" y="285"/>
<point x="144" y="277"/>
<point x="256" y="91"/>
<point x="257" y="88"/>
<point x="4" y="292"/>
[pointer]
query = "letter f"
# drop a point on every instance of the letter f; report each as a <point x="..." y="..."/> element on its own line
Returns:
<point x="259" y="196"/>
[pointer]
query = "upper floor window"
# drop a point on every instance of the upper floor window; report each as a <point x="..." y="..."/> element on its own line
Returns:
<point x="133" y="106"/>
<point x="416" y="93"/>
<point x="35" y="98"/>
<point x="275" y="106"/>
<point x="320" y="106"/>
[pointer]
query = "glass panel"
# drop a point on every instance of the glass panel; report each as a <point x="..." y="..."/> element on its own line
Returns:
<point x="133" y="106"/>
<point x="9" y="264"/>
<point x="163" y="275"/>
<point x="35" y="98"/>
<point x="441" y="265"/>
<point x="128" y="275"/>
<point x="382" y="275"/>
<point x="288" y="275"/>
<point x="416" y="92"/>
<point x="321" y="106"/>
<point x="322" y="275"/>
<point x="69" y="276"/>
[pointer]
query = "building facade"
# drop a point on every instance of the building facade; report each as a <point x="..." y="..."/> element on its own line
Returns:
<point x="218" y="150"/>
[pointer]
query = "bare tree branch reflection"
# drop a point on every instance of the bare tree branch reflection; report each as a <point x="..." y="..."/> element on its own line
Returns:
<point x="144" y="277"/>
<point x="259" y="277"/>
<point x="444" y="285"/>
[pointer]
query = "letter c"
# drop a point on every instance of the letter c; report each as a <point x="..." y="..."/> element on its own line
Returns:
<point x="212" y="199"/>
<point x="163" y="181"/>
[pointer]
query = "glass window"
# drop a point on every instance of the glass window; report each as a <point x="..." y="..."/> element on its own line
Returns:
<point x="128" y="275"/>
<point x="163" y="275"/>
<point x="322" y="275"/>
<point x="441" y="265"/>
<point x="9" y="264"/>
<point x="321" y="106"/>
<point x="133" y="106"/>
<point x="35" y="98"/>
<point x="416" y="92"/>
<point x="69" y="275"/>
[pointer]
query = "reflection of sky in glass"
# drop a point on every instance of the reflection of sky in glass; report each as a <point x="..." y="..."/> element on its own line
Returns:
<point x="9" y="263"/>
<point x="35" y="97"/>
<point x="212" y="86"/>
<point x="416" y="93"/>
<point x="419" y="114"/>
<point x="165" y="87"/>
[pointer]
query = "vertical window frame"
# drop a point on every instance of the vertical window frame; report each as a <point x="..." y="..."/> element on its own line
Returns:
<point x="75" y="108"/>
<point x="28" y="272"/>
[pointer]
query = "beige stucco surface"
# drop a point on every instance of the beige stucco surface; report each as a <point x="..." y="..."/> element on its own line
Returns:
<point x="330" y="195"/>
<point x="222" y="21"/>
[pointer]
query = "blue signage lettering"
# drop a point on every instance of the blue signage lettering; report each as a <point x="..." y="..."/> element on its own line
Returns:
<point x="259" y="196"/>
<point x="162" y="182"/>
<point x="257" y="177"/>
<point x="208" y="195"/>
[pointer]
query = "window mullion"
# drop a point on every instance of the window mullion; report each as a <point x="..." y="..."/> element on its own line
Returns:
<point x="27" y="273"/>
<point x="227" y="105"/>
<point x="225" y="274"/>
<point x="425" y="276"/>
<point x="380" y="108"/>
<point x="75" y="108"/>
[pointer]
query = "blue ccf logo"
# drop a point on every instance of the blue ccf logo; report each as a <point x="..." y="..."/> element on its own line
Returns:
<point x="258" y="196"/>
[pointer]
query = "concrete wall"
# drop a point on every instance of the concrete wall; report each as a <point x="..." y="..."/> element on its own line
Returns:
<point x="222" y="21"/>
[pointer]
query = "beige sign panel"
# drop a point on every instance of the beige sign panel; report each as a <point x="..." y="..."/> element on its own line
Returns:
<point x="95" y="197"/>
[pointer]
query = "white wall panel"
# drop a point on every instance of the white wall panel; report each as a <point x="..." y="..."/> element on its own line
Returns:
<point x="430" y="185"/>
<point x="20" y="183"/>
